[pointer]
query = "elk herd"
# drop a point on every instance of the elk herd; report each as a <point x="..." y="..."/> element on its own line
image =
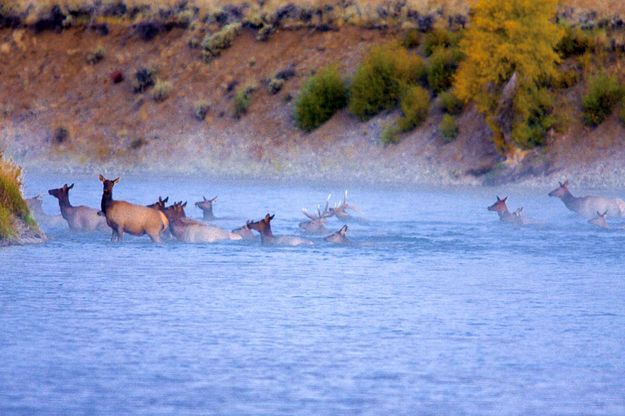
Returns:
<point x="595" y="209"/>
<point x="159" y="220"/>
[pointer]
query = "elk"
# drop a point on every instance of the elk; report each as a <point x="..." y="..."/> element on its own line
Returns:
<point x="340" y="210"/>
<point x="600" y="220"/>
<point x="263" y="227"/>
<point x="339" y="237"/>
<point x="206" y="205"/>
<point x="245" y="232"/>
<point x="123" y="216"/>
<point x="194" y="231"/>
<point x="505" y="215"/>
<point x="587" y="206"/>
<point x="36" y="209"/>
<point x="160" y="204"/>
<point x="316" y="223"/>
<point x="80" y="218"/>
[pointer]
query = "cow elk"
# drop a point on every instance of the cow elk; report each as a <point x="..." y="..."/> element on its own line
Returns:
<point x="80" y="218"/>
<point x="588" y="206"/>
<point x="133" y="219"/>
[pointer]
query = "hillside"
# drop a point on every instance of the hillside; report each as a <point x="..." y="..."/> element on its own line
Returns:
<point x="62" y="112"/>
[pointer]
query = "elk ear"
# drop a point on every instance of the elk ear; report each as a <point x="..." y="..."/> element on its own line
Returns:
<point x="505" y="199"/>
<point x="70" y="187"/>
<point x="204" y="198"/>
<point x="498" y="199"/>
<point x="115" y="180"/>
<point x="184" y="205"/>
<point x="102" y="179"/>
<point x="214" y="198"/>
<point x="271" y="218"/>
<point x="166" y="199"/>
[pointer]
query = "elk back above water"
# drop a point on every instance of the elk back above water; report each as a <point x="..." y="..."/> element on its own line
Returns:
<point x="588" y="206"/>
<point x="263" y="227"/>
<point x="189" y="230"/>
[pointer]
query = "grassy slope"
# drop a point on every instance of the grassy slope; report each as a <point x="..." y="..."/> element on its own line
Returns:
<point x="16" y="222"/>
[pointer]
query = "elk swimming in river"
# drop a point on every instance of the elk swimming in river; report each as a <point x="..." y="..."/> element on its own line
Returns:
<point x="189" y="230"/>
<point x="263" y="226"/>
<point x="80" y="218"/>
<point x="505" y="215"/>
<point x="339" y="237"/>
<point x="316" y="222"/>
<point x="206" y="205"/>
<point x="600" y="220"/>
<point x="35" y="204"/>
<point x="588" y="206"/>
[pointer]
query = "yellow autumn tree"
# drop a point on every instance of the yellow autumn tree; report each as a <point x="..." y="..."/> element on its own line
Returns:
<point x="507" y="37"/>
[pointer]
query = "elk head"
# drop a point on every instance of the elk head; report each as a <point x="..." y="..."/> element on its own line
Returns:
<point x="263" y="226"/>
<point x="499" y="205"/>
<point x="62" y="192"/>
<point x="108" y="184"/>
<point x="160" y="204"/>
<point x="561" y="191"/>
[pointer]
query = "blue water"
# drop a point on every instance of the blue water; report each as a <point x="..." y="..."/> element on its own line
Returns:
<point x="436" y="308"/>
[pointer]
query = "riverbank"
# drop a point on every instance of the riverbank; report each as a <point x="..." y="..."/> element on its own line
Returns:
<point x="72" y="105"/>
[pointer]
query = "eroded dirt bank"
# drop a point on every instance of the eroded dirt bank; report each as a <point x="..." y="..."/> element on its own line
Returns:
<point x="61" y="113"/>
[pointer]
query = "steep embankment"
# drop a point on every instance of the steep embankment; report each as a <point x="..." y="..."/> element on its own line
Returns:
<point x="61" y="112"/>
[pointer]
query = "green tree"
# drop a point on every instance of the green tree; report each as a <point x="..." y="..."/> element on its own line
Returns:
<point x="507" y="37"/>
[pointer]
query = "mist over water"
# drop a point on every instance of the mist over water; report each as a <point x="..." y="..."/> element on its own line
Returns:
<point x="436" y="308"/>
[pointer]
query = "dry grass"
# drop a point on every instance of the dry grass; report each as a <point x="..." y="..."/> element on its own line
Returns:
<point x="603" y="7"/>
<point x="11" y="201"/>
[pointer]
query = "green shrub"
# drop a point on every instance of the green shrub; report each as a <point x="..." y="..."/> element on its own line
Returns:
<point x="214" y="43"/>
<point x="440" y="38"/>
<point x="242" y="101"/>
<point x="441" y="68"/>
<point x="200" y="109"/>
<point x="540" y="119"/>
<point x="604" y="92"/>
<point x="275" y="85"/>
<point x="321" y="96"/>
<point x="161" y="91"/>
<point x="574" y="42"/>
<point x="390" y="135"/>
<point x="415" y="106"/>
<point x="449" y="103"/>
<point x="380" y="79"/>
<point x="448" y="128"/>
<point x="411" y="39"/>
<point x="96" y="56"/>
